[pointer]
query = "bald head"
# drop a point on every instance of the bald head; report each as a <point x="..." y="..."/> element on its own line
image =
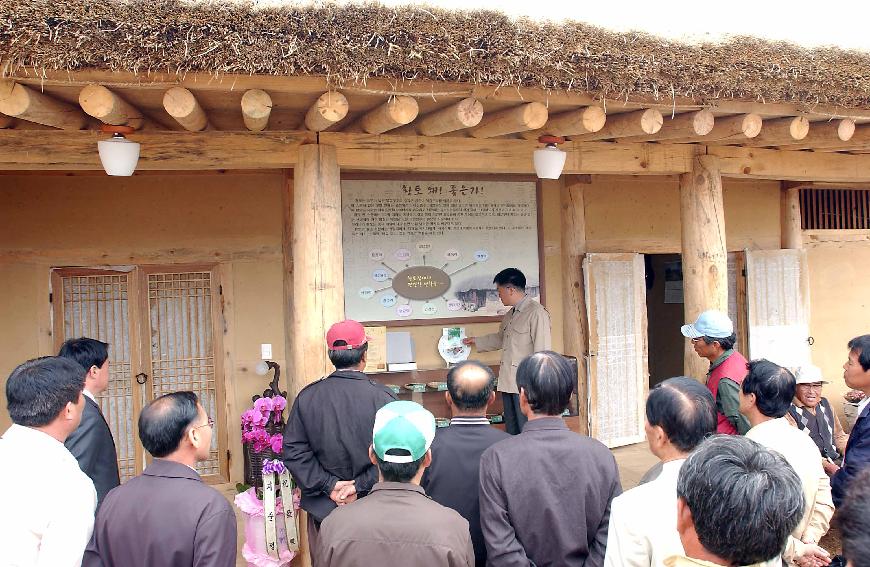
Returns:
<point x="470" y="385"/>
<point x="164" y="422"/>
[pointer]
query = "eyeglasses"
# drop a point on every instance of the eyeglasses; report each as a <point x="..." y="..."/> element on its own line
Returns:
<point x="810" y="386"/>
<point x="210" y="423"/>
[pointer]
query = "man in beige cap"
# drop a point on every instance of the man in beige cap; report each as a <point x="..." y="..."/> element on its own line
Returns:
<point x="812" y="413"/>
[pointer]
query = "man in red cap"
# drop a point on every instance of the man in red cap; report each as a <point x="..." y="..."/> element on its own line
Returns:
<point x="328" y="433"/>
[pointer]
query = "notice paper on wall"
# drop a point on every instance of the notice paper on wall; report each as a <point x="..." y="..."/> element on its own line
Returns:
<point x="376" y="355"/>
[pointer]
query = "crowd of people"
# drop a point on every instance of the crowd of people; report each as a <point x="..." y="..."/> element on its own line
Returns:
<point x="754" y="465"/>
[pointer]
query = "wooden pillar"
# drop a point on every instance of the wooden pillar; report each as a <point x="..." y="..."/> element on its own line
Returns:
<point x="317" y="263"/>
<point x="705" y="257"/>
<point x="792" y="238"/>
<point x="575" y="333"/>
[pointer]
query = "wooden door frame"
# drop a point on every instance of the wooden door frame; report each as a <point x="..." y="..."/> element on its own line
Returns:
<point x="140" y="351"/>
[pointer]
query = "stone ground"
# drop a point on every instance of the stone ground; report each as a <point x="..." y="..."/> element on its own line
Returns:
<point x="633" y="461"/>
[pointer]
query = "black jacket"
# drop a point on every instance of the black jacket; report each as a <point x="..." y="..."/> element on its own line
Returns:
<point x="454" y="476"/>
<point x="93" y="447"/>
<point x="328" y="434"/>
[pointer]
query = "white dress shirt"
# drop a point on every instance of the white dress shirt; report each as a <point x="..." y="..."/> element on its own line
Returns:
<point x="48" y="503"/>
<point x="643" y="522"/>
<point x="802" y="454"/>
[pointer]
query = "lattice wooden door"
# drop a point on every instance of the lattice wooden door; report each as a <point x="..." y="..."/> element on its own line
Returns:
<point x="100" y="304"/>
<point x="183" y="308"/>
<point x="160" y="324"/>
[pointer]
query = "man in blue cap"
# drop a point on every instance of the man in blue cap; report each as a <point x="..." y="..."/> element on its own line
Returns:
<point x="713" y="338"/>
<point x="397" y="524"/>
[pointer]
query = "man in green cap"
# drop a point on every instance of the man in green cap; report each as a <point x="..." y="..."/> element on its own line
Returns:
<point x="397" y="524"/>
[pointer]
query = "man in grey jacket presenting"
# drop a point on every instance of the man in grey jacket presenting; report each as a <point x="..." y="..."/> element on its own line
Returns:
<point x="524" y="330"/>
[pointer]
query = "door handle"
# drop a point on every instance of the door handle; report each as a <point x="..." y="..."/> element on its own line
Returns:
<point x="141" y="378"/>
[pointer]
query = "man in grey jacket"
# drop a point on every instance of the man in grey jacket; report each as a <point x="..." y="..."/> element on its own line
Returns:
<point x="397" y="524"/>
<point x="167" y="515"/>
<point x="524" y="330"/>
<point x="545" y="494"/>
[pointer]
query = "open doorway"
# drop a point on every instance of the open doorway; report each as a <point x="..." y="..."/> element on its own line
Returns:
<point x="665" y="313"/>
<point x="664" y="306"/>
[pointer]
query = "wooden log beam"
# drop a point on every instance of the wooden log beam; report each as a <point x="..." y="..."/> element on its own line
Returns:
<point x="736" y="129"/>
<point x="53" y="150"/>
<point x="182" y="105"/>
<point x="450" y="154"/>
<point x="762" y="163"/>
<point x="696" y="124"/>
<point x="6" y="121"/>
<point x="572" y="123"/>
<point x="704" y="253"/>
<point x="638" y="123"/>
<point x="467" y="113"/>
<point x="529" y="116"/>
<point x="25" y="103"/>
<point x="109" y="108"/>
<point x="792" y="237"/>
<point x="397" y="111"/>
<point x="575" y="333"/>
<point x="186" y="151"/>
<point x="779" y="130"/>
<point x="256" y="109"/>
<point x="330" y="108"/>
<point x="318" y="262"/>
<point x="311" y="85"/>
<point x="824" y="134"/>
<point x="860" y="140"/>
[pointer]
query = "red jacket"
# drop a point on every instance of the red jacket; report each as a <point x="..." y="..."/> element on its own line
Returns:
<point x="733" y="368"/>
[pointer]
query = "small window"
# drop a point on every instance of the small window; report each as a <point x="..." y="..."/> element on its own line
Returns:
<point x="835" y="209"/>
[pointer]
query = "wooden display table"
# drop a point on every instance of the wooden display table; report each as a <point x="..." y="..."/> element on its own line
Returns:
<point x="435" y="401"/>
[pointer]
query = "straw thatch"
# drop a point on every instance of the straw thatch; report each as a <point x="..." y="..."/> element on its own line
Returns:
<point x="358" y="42"/>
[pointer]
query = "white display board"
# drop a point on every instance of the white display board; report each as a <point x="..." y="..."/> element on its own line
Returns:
<point x="426" y="250"/>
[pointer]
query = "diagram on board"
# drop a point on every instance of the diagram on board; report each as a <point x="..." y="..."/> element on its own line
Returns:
<point x="429" y="250"/>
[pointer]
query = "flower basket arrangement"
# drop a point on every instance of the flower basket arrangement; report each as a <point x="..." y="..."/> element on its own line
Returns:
<point x="262" y="427"/>
<point x="262" y="437"/>
<point x="271" y="530"/>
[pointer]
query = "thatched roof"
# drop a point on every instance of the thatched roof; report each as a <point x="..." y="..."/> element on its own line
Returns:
<point x="359" y="42"/>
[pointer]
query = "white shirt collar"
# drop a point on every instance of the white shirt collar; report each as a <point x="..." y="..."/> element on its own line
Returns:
<point x="863" y="404"/>
<point x="90" y="395"/>
<point x="31" y="436"/>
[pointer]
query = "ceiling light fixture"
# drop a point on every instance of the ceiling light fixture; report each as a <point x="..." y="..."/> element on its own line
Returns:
<point x="549" y="160"/>
<point x="118" y="155"/>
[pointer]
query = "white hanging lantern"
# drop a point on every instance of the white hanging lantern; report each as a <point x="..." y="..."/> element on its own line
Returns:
<point x="549" y="160"/>
<point x="118" y="155"/>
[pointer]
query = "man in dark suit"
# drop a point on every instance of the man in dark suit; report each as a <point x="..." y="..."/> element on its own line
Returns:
<point x="545" y="494"/>
<point x="92" y="444"/>
<point x="167" y="515"/>
<point x="856" y="373"/>
<point x="453" y="478"/>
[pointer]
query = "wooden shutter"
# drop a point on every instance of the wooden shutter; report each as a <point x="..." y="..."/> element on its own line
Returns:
<point x="98" y="304"/>
<point x="183" y="307"/>
<point x="777" y="300"/>
<point x="618" y="366"/>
